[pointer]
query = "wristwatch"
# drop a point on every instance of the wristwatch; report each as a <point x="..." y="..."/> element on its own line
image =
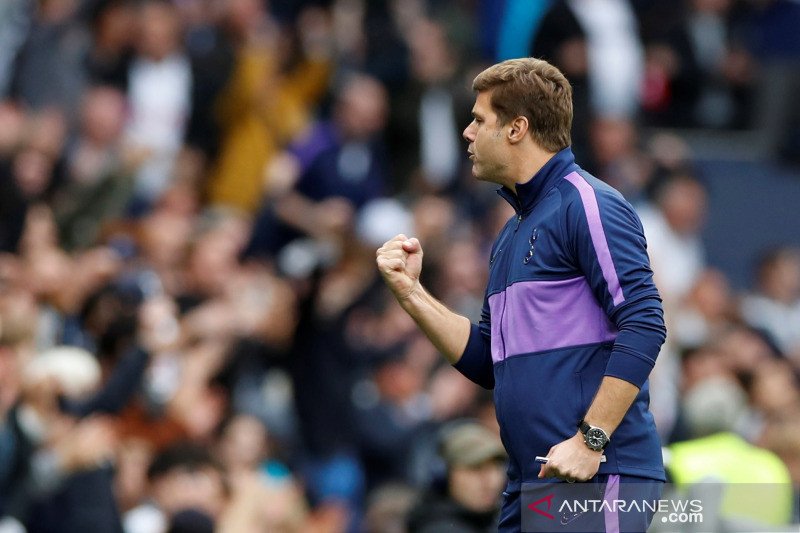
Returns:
<point x="594" y="437"/>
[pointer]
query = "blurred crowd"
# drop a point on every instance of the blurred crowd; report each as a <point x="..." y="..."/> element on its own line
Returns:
<point x="193" y="334"/>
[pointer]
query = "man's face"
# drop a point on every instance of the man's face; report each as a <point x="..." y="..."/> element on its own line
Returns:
<point x="478" y="488"/>
<point x="487" y="144"/>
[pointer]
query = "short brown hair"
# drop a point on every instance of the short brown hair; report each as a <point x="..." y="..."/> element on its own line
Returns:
<point x="535" y="89"/>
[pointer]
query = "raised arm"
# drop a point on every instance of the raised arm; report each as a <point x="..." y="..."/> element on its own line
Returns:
<point x="400" y="263"/>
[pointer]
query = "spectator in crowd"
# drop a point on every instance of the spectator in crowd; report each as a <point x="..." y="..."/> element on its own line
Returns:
<point x="387" y="508"/>
<point x="699" y="72"/>
<point x="13" y="204"/>
<point x="331" y="172"/>
<point x="57" y="457"/>
<point x="614" y="53"/>
<point x="775" y="306"/>
<point x="113" y="32"/>
<point x="709" y="310"/>
<point x="619" y="160"/>
<point x="775" y="390"/>
<point x="265" y="104"/>
<point x="426" y="116"/>
<point x="673" y="227"/>
<point x="706" y="464"/>
<point x="745" y="350"/>
<point x="782" y="436"/>
<point x="188" y="485"/>
<point x="159" y="88"/>
<point x="98" y="180"/>
<point x="777" y="50"/>
<point x="49" y="70"/>
<point x="561" y="40"/>
<point x="467" y="500"/>
<point x="14" y="25"/>
<point x="392" y="412"/>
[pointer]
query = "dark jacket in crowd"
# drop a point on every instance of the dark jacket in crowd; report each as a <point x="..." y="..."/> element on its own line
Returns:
<point x="437" y="513"/>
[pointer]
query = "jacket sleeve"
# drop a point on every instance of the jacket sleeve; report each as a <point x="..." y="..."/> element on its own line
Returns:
<point x="608" y="243"/>
<point x="476" y="361"/>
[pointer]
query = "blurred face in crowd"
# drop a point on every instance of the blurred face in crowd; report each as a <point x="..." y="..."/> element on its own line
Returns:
<point x="212" y="262"/>
<point x="781" y="279"/>
<point x="159" y="31"/>
<point x="32" y="172"/>
<point x="241" y="15"/>
<point x="744" y="350"/>
<point x="683" y="203"/>
<point x="476" y="487"/>
<point x="361" y="108"/>
<point x="775" y="390"/>
<point x="487" y="145"/>
<point x="711" y="295"/>
<point x="399" y="381"/>
<point x="55" y="11"/>
<point x="431" y="58"/>
<point x="115" y="28"/>
<point x="103" y="115"/>
<point x="165" y="238"/>
<point x="244" y="443"/>
<point x="201" y="488"/>
<point x="612" y="138"/>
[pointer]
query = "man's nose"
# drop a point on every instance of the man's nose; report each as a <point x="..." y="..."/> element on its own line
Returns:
<point x="467" y="134"/>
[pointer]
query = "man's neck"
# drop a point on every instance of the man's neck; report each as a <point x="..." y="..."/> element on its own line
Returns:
<point x="528" y="164"/>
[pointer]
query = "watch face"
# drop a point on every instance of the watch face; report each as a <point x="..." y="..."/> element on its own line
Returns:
<point x="596" y="438"/>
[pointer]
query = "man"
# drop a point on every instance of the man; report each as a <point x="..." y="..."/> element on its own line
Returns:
<point x="467" y="500"/>
<point x="572" y="322"/>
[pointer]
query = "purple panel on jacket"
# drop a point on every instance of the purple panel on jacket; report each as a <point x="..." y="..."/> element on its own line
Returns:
<point x="533" y="316"/>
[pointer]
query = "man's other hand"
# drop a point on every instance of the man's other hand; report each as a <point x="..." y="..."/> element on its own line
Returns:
<point x="571" y="461"/>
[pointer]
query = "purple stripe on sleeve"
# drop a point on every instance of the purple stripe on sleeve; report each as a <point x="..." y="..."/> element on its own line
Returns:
<point x="533" y="316"/>
<point x="599" y="241"/>
<point x="611" y="514"/>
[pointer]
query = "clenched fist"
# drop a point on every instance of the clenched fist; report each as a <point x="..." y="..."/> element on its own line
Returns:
<point x="400" y="263"/>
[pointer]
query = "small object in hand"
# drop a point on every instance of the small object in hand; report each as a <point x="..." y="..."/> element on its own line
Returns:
<point x="543" y="460"/>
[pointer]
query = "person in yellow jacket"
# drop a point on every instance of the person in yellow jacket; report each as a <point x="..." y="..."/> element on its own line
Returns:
<point x="755" y="484"/>
<point x="739" y="483"/>
<point x="263" y="108"/>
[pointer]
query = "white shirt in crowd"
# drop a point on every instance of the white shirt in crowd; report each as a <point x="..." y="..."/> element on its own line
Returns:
<point x="159" y="95"/>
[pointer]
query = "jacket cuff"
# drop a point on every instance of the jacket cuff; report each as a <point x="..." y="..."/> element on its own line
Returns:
<point x="476" y="361"/>
<point x="629" y="366"/>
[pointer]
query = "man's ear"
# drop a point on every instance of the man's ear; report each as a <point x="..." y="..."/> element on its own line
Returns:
<point x="517" y="129"/>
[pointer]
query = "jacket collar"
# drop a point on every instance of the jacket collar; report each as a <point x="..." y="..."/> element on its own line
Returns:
<point x="528" y="194"/>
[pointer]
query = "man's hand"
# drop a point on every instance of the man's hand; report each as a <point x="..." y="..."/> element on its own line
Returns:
<point x="400" y="263"/>
<point x="571" y="460"/>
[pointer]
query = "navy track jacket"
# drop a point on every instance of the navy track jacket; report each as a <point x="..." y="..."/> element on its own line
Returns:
<point x="570" y="299"/>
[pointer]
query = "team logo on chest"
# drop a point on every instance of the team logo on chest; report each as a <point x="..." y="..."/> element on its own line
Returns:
<point x="532" y="245"/>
